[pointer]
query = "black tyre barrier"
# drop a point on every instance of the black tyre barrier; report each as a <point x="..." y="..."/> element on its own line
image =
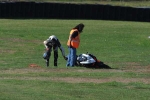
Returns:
<point x="49" y="10"/>
<point x="133" y="14"/>
<point x="143" y="14"/>
<point x="99" y="11"/>
<point x="3" y="10"/>
<point x="123" y="13"/>
<point x="116" y="11"/>
<point x="23" y="10"/>
<point x="72" y="11"/>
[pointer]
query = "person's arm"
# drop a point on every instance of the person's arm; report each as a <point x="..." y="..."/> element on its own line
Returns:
<point x="45" y="42"/>
<point x="61" y="48"/>
<point x="62" y="51"/>
<point x="74" y="34"/>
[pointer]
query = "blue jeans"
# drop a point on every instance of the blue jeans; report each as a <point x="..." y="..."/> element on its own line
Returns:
<point x="71" y="57"/>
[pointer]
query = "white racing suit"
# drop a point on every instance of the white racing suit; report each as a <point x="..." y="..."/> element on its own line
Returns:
<point x="53" y="43"/>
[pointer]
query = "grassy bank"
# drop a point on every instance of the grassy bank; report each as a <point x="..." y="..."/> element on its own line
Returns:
<point x="130" y="3"/>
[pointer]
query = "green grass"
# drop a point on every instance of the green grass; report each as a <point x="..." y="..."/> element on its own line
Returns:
<point x="45" y="90"/>
<point x="122" y="45"/>
<point x="111" y="41"/>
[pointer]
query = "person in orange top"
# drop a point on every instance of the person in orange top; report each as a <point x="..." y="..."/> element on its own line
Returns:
<point x="73" y="44"/>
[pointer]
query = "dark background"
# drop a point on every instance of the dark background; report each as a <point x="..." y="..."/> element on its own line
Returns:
<point x="34" y="10"/>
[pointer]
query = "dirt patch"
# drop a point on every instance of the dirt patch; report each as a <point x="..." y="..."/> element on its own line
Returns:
<point x="34" y="66"/>
<point x="135" y="67"/>
<point x="84" y="80"/>
<point x="90" y="80"/>
<point x="7" y="51"/>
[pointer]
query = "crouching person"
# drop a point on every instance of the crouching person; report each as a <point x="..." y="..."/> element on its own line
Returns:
<point x="52" y="43"/>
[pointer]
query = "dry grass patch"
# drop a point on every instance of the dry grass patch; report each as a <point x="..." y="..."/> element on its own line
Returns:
<point x="33" y="68"/>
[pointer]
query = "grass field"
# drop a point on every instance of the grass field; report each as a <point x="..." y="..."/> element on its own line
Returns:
<point x="122" y="45"/>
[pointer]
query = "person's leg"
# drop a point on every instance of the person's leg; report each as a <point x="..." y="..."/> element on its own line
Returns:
<point x="69" y="57"/>
<point x="73" y="57"/>
<point x="55" y="55"/>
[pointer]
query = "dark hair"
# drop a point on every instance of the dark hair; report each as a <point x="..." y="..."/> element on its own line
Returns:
<point x="79" y="27"/>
